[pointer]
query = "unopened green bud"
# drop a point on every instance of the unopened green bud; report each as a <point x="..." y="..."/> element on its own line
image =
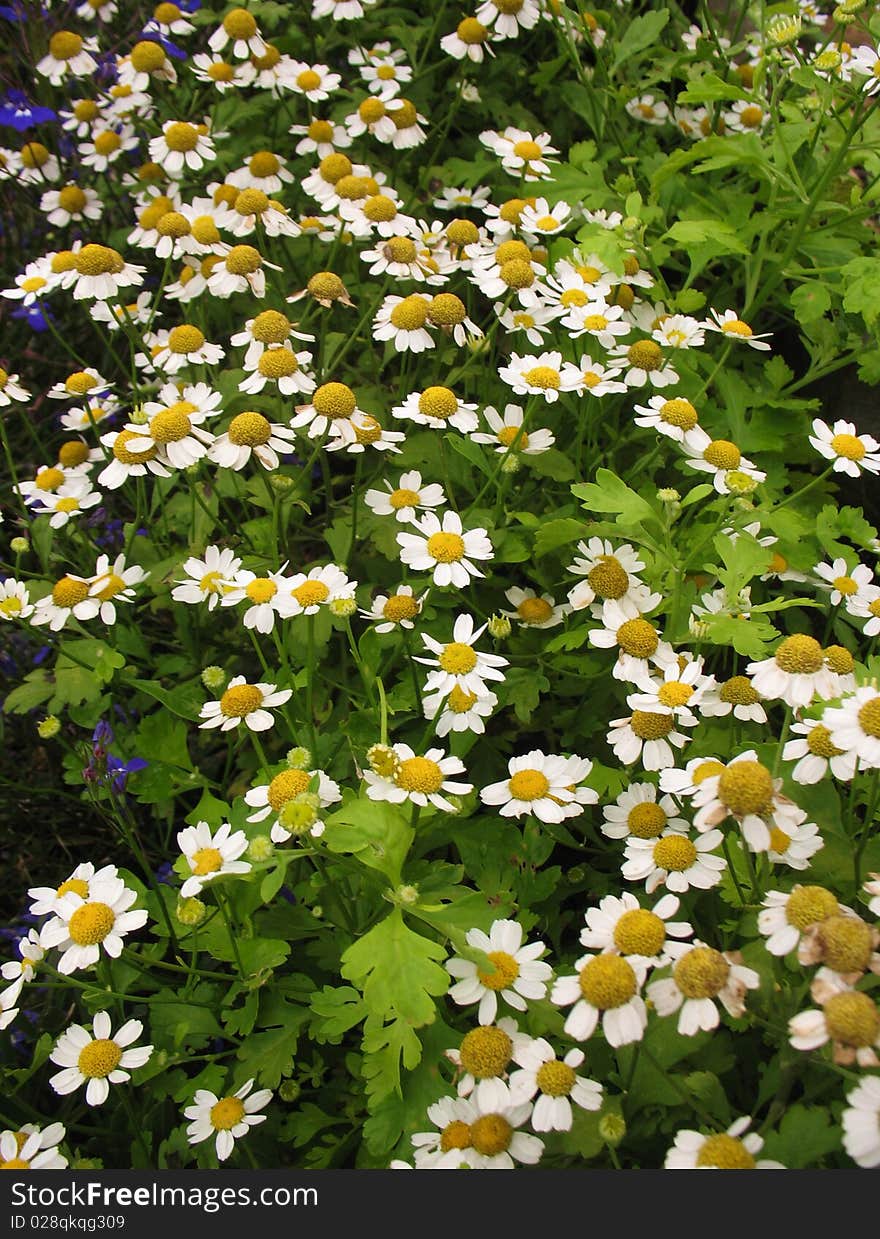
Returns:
<point x="405" y="896"/>
<point x="612" y="1129"/>
<point x="289" y="1090"/>
<point x="382" y="760"/>
<point x="632" y="223"/>
<point x="499" y="627"/>
<point x="48" y="727"/>
<point x="300" y="814"/>
<point x="739" y="482"/>
<point x="190" y="912"/>
<point x="19" y="546"/>
<point x="510" y="463"/>
<point x="299" y="758"/>
<point x="214" y="678"/>
<point x="280" y="482"/>
<point x="342" y="607"/>
<point x="668" y="494"/>
<point x="260" y="848"/>
<point x="139" y="415"/>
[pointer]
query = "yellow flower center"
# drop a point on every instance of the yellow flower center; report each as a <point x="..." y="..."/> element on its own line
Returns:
<point x="107" y="142"/>
<point x="79" y="382"/>
<point x="648" y="726"/>
<point x="166" y="13"/>
<point x="607" y="981"/>
<point x="645" y="355"/>
<point x="455" y="1135"/>
<point x="639" y="932"/>
<point x="674" y="853"/>
<point x="457" y="658"/>
<point x="72" y="453"/>
<point x="67" y="592"/>
<point x="637" y="638"/>
<point x="738" y="691"/>
<point x="400" y="249"/>
<point x="485" y="1052"/>
<point x="438" y="402"/>
<point x="267" y="61"/>
<point x="462" y="232"/>
<point x="185" y="339"/>
<point x="99" y="260"/>
<point x="746" y="787"/>
<point x="702" y="973"/>
<point x="34" y="155"/>
<point x="368" y="430"/>
<point x="333" y="168"/>
<point x="852" y="1018"/>
<point x="723" y="1152"/>
<point x="410" y="314"/>
<point x="112" y="584"/>
<point x="505" y="973"/>
<point x="839" y="658"/>
<point x="680" y="413"/>
<point x="847" y="943"/>
<point x="171" y="425"/>
<point x="819" y="743"/>
<point x="808" y="904"/>
<point x="15" y="1163"/>
<point x="181" y="136"/>
<point x="91" y="923"/>
<point x="261" y="589"/>
<point x="98" y="1058"/>
<point x="278" y="363"/>
<point x="64" y="45"/>
<point x="127" y="457"/>
<point x="555" y="1078"/>
<point x="240" y="24"/>
<point x="547" y="223"/>
<point x="534" y="611"/>
<point x="320" y="131"/>
<point x="527" y="149"/>
<point x="353" y="188"/>
<point x="226" y="1113"/>
<point x="334" y="400"/>
<point x="308" y="80"/>
<point x="528" y="785"/>
<point x="310" y="593"/>
<point x="241" y="700"/>
<point x="491" y="1134"/>
<point x="459" y="702"/>
<point x="675" y="693"/>
<point x="68" y="504"/>
<point x="270" y="327"/>
<point x="205" y="860"/>
<point x="326" y="286"/>
<point x="251" y="202"/>
<point x="85" y="109"/>
<point x="446" y="548"/>
<point x="869" y="717"/>
<point x="287" y="786"/>
<point x="404" y="115"/>
<point x="49" y="479"/>
<point x="249" y="429"/>
<point x="722" y="454"/>
<point x="419" y="774"/>
<point x="517" y="273"/>
<point x="848" y="446"/>
<point x="472" y="31"/>
<point x="543" y="377"/>
<point x="400" y="607"/>
<point x="403" y="498"/>
<point x="10" y="606"/>
<point x="446" y="310"/>
<point x="78" y="885"/>
<point x="243" y="260"/>
<point x="800" y="655"/>
<point x="751" y="117"/>
<point x="646" y="820"/>
<point x="72" y="199"/>
<point x="736" y="327"/>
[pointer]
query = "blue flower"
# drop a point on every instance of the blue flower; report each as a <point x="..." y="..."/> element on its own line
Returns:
<point x="17" y="112"/>
<point x="36" y="318"/>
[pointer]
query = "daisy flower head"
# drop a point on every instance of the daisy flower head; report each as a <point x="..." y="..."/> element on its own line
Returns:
<point x="208" y="578"/>
<point x="15" y="603"/>
<point x="385" y="74"/>
<point x="68" y="596"/>
<point x="543" y="785"/>
<point x="786" y="915"/>
<point x="251" y="434"/>
<point x="225" y="1119"/>
<point x="606" y="990"/>
<point x="538" y="219"/>
<point x="101" y="272"/>
<point x="733" y="328"/>
<point x="850" y="451"/>
<point x="33" y="1148"/>
<point x="638" y="811"/>
<point x="518" y="974"/>
<point x="845" y="1016"/>
<point x="114" y="584"/>
<point x="597" y="380"/>
<point x="611" y="572"/>
<point x="648" y="109"/>
<point x="439" y="408"/>
<point x="649" y="736"/>
<point x="864" y="61"/>
<point x="210" y="854"/>
<point x="31" y="284"/>
<point x="674" y="417"/>
<point x="85" y="926"/>
<point x="844" y="943"/>
<point x="316" y="82"/>
<point x="240" y="28"/>
<point x="69" y="55"/>
<point x="308" y="592"/>
<point x="861" y="1122"/>
<point x="97" y="1059"/>
<point x="458" y="664"/>
<point x="509" y="435"/>
<point x="737" y="696"/>
<point x="747" y="791"/>
<point x="448" y="1146"/>
<point x="320" y="137"/>
<point x="815" y="753"/>
<point x="483" y="1059"/>
<point x="45" y="899"/>
<point x="729" y="1150"/>
<point x="674" y="861"/>
<point x="556" y="1082"/>
<point x="866" y="605"/>
<point x="397" y="610"/>
<point x="420" y="780"/>
<point x="730" y="470"/>
<point x="22" y="970"/>
<point x="532" y="610"/>
<point x="241" y="270"/>
<point x="459" y="710"/>
<point x="402" y="320"/>
<point x="496" y="1141"/>
<point x="293" y="801"/>
<point x="173" y="431"/>
<point x="700" y="977"/>
<point x="445" y="549"/>
<point x="543" y="375"/>
<point x="406" y="499"/>
<point x="262" y="594"/>
<point x="604" y="322"/>
<point x="72" y="498"/>
<point x="796" y="674"/>
<point x="181" y="146"/>
<point x="509" y="17"/>
<point x="243" y="702"/>
<point x="184" y="345"/>
<point x="621" y="926"/>
<point x="854" y="726"/>
<point x="519" y="151"/>
<point x="532" y="318"/>
<point x="745" y="117"/>
<point x="470" y="40"/>
<point x="11" y="388"/>
<point x="643" y="362"/>
<point x="624" y="626"/>
<point x="678" y="690"/>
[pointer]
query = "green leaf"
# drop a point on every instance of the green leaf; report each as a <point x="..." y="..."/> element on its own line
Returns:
<point x="160" y="738"/>
<point x="805" y="1135"/>
<point x="710" y="88"/>
<point x="551" y="464"/>
<point x="522" y="689"/>
<point x="861" y="280"/>
<point x="717" y="236"/>
<point x="269" y="1055"/>
<point x="36" y="688"/>
<point x="185" y="701"/>
<point x="550" y="535"/>
<point x="744" y="558"/>
<point x="471" y="451"/>
<point x="386" y="1047"/>
<point x="397" y="971"/>
<point x="336" y="1010"/>
<point x="810" y="301"/>
<point x="641" y="33"/>
<point x="609" y="493"/>
<point x="750" y="637"/>
<point x="374" y="831"/>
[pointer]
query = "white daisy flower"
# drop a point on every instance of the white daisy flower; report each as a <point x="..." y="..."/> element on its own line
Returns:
<point x="508" y="434"/>
<point x="241" y="271"/>
<point x="72" y="498"/>
<point x="518" y="974"/>
<point x="649" y="736"/>
<point x="69" y="55"/>
<point x="470" y="40"/>
<point x="543" y="785"/>
<point x="211" y="854"/>
<point x="68" y="596"/>
<point x="458" y="664"/>
<point x="185" y="345"/>
<point x="854" y="726"/>
<point x="439" y="408"/>
<point x="18" y="972"/>
<point x="243" y="702"/>
<point x="605" y="989"/>
<point x="721" y="458"/>
<point x="316" y="82"/>
<point x="240" y="28"/>
<point x="11" y="388"/>
<point x="851" y="452"/>
<point x="495" y="1140"/>
<point x="385" y="74"/>
<point x="285" y="798"/>
<point x="251" y="434"/>
<point x="605" y="323"/>
<point x="674" y="861"/>
<point x="98" y="1059"/>
<point x="507" y="18"/>
<point x="686" y="781"/>
<point x="45" y="899"/>
<point x="643" y="362"/>
<point x="745" y="117"/>
<point x="815" y="754"/>
<point x="648" y="109"/>
<point x="860" y="1120"/>
<point x="225" y="1119"/>
<point x="676" y="417"/>
<point x="445" y="549"/>
<point x="33" y="1148"/>
<point x="786" y="915"/>
<point x="701" y="976"/>
<point x="693" y="1150"/>
<point x="320" y="137"/>
<point x="308" y="592"/>
<point x="330" y="410"/>
<point x="847" y="1017"/>
<point x="637" y="640"/>
<point x="731" y="326"/>
<point x="15" y="603"/>
<point x="209" y="578"/>
<point x="531" y="318"/>
<point x="402" y="320"/>
<point x="737" y="696"/>
<point x="406" y="499"/>
<point x="745" y="790"/>
<point x="84" y="926"/>
<point x="637" y="811"/>
<point x="539" y="220"/>
<point x="557" y="1083"/>
<point x="621" y="926"/>
<point x="796" y="674"/>
<point x="101" y="272"/>
<point x="180" y="147"/>
<point x="112" y="585"/>
<point x="677" y="691"/>
<point x="796" y="845"/>
<point x="543" y="375"/>
<point x="448" y="1147"/>
<point x="263" y="595"/>
<point x="482" y="1061"/>
<point x="532" y="610"/>
<point x="595" y="380"/>
<point x="279" y="364"/>
<point x="420" y="780"/>
<point x="459" y="710"/>
<point x="397" y="610"/>
<point x="521" y="152"/>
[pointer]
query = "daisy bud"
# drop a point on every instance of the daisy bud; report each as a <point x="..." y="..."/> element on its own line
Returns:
<point x="739" y="482"/>
<point x="48" y="727"/>
<point x="289" y="1091"/>
<point x="612" y="1129"/>
<point x="405" y="896"/>
<point x="382" y="760"/>
<point x="19" y="545"/>
<point x="280" y="482"/>
<point x="784" y="28"/>
<point x="499" y="627"/>
<point x="190" y="912"/>
<point x="510" y="463"/>
<point x="299" y="758"/>
<point x="632" y="223"/>
<point x="139" y="415"/>
<point x="214" y="678"/>
<point x="299" y="815"/>
<point x="342" y="607"/>
<point x="260" y="848"/>
<point x="317" y="912"/>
